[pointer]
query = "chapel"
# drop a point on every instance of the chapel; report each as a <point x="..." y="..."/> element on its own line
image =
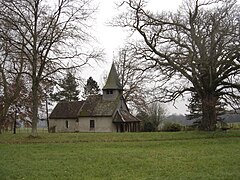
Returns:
<point x="98" y="113"/>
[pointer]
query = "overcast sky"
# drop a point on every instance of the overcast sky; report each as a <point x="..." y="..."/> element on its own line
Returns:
<point x="111" y="39"/>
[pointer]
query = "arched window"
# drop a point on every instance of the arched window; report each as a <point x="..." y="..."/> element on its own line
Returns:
<point x="67" y="125"/>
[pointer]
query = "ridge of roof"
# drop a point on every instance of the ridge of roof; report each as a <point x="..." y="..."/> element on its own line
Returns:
<point x="95" y="106"/>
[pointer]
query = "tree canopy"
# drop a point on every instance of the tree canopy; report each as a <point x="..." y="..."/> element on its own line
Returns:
<point x="133" y="79"/>
<point x="195" y="49"/>
<point x="68" y="89"/>
<point x="48" y="37"/>
<point x="91" y="87"/>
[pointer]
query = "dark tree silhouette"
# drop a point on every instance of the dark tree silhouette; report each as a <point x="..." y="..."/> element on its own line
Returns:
<point x="91" y="87"/>
<point x="68" y="89"/>
<point x="195" y="109"/>
<point x="195" y="49"/>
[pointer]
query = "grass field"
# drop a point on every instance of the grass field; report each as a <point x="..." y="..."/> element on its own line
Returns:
<point x="179" y="155"/>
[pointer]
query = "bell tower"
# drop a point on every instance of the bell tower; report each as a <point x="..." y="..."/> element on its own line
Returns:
<point x="113" y="88"/>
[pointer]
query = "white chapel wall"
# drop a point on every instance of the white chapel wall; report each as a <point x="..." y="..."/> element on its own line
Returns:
<point x="102" y="124"/>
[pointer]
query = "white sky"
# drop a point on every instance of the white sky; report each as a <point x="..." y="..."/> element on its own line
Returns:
<point x="111" y="39"/>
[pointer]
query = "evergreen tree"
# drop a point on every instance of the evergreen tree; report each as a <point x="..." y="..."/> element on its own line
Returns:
<point x="195" y="109"/>
<point x="69" y="90"/>
<point x="91" y="87"/>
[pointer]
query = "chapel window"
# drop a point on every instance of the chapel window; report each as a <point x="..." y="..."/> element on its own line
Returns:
<point x="92" y="124"/>
<point x="110" y="91"/>
<point x="67" y="125"/>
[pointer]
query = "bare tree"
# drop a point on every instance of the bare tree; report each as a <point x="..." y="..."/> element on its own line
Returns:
<point x="152" y="116"/>
<point x="134" y="79"/>
<point x="11" y="79"/>
<point x="55" y="37"/>
<point x="196" y="49"/>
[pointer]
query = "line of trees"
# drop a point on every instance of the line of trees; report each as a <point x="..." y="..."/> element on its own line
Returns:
<point x="194" y="50"/>
<point x="68" y="89"/>
<point x="37" y="41"/>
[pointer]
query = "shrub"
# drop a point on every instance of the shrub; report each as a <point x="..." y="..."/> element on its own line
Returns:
<point x="149" y="126"/>
<point x="171" y="127"/>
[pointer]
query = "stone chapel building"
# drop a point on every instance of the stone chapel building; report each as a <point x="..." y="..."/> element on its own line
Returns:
<point x="98" y="113"/>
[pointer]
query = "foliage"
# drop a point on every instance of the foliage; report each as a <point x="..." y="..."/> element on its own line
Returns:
<point x="171" y="127"/>
<point x="68" y="89"/>
<point x="120" y="156"/>
<point x="194" y="107"/>
<point x="195" y="49"/>
<point x="195" y="110"/>
<point x="91" y="87"/>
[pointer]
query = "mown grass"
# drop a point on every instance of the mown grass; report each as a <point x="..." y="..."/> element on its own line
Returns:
<point x="181" y="155"/>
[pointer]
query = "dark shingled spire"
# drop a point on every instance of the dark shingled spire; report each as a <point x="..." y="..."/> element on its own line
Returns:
<point x="113" y="81"/>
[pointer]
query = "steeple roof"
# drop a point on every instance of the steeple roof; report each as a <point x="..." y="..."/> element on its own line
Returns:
<point x="113" y="81"/>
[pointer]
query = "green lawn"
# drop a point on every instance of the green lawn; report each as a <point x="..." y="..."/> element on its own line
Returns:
<point x="180" y="155"/>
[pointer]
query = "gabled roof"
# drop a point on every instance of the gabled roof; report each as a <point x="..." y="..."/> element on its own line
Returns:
<point x="113" y="81"/>
<point x="66" y="110"/>
<point x="95" y="106"/>
<point x="124" y="116"/>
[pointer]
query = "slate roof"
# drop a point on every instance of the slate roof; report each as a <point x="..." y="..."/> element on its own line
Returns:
<point x="113" y="81"/>
<point x="95" y="106"/>
<point x="66" y="110"/>
<point x="124" y="116"/>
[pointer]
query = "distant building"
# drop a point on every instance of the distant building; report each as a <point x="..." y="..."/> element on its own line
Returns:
<point x="98" y="113"/>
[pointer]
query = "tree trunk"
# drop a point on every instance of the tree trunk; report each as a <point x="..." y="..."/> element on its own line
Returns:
<point x="47" y="118"/>
<point x="1" y="124"/>
<point x="209" y="117"/>
<point x="3" y="115"/>
<point x="15" y="122"/>
<point x="34" y="109"/>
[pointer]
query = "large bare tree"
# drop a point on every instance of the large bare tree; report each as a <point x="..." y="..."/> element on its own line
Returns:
<point x="133" y="78"/>
<point x="54" y="36"/>
<point x="196" y="49"/>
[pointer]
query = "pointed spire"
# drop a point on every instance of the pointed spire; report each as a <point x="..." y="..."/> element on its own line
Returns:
<point x="113" y="81"/>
